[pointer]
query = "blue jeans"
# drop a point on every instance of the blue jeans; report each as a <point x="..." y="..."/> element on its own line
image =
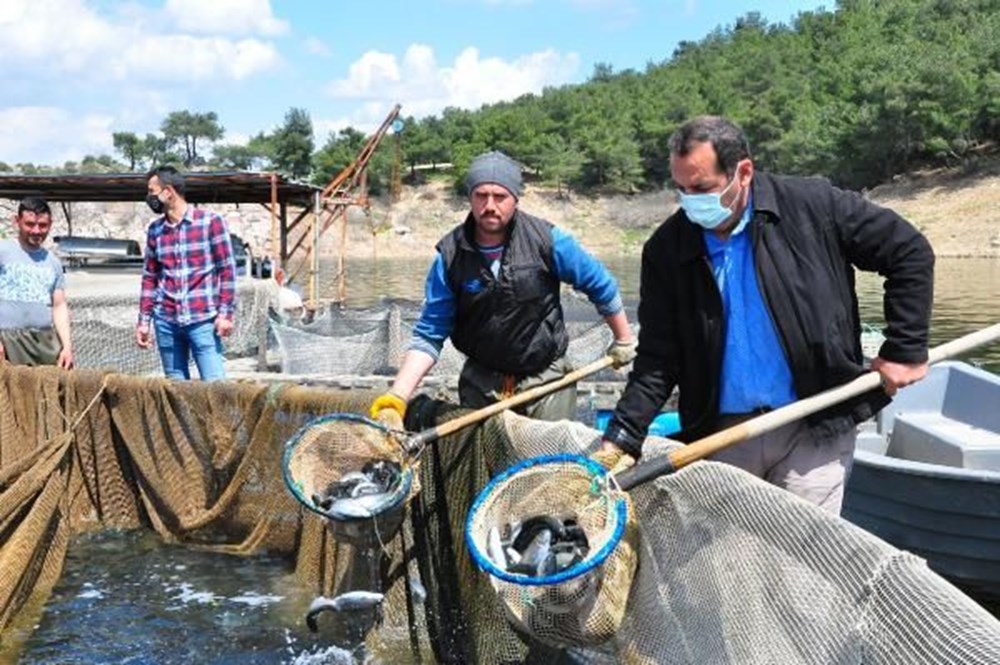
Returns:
<point x="177" y="343"/>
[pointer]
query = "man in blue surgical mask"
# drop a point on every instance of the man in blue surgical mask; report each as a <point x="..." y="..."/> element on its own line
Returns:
<point x="747" y="303"/>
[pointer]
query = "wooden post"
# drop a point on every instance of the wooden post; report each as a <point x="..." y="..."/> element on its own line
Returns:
<point x="283" y="220"/>
<point x="314" y="250"/>
<point x="275" y="252"/>
<point x="67" y="209"/>
<point x="341" y="264"/>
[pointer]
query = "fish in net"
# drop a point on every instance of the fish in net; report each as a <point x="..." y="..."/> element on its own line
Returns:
<point x="353" y="471"/>
<point x="564" y="601"/>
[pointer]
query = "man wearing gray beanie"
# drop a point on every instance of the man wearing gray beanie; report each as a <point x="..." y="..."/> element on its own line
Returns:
<point x="494" y="290"/>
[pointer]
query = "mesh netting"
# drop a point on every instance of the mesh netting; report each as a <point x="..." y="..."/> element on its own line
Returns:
<point x="372" y="341"/>
<point x="730" y="569"/>
<point x="103" y="328"/>
<point x="582" y="604"/>
<point x="329" y="448"/>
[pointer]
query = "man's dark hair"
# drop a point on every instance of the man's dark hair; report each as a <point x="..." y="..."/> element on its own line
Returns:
<point x="35" y="204"/>
<point x="168" y="177"/>
<point x="726" y="137"/>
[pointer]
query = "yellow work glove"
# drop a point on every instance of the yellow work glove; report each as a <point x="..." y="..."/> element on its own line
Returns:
<point x="388" y="409"/>
<point x="622" y="352"/>
<point x="613" y="458"/>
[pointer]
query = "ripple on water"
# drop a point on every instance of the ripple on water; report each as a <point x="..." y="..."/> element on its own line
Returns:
<point x="129" y="598"/>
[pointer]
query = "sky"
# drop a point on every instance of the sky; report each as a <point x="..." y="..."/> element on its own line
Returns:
<point x="74" y="71"/>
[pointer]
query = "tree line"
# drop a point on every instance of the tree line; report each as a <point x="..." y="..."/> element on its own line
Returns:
<point x="860" y="93"/>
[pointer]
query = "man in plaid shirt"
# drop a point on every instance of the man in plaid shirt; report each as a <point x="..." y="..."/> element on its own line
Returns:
<point x="188" y="281"/>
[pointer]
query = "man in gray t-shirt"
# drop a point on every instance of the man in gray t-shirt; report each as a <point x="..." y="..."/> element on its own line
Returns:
<point x="34" y="314"/>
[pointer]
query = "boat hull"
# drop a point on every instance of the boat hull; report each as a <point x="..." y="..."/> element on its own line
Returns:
<point x="926" y="476"/>
<point x="950" y="517"/>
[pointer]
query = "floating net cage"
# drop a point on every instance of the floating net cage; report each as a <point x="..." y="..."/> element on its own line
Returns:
<point x="729" y="569"/>
<point x="373" y="340"/>
<point x="103" y="329"/>
<point x="583" y="604"/>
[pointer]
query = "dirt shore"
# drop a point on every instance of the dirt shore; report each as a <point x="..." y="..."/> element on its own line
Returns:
<point x="957" y="211"/>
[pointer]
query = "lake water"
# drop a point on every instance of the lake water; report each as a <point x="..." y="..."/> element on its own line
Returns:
<point x="966" y="292"/>
<point x="128" y="598"/>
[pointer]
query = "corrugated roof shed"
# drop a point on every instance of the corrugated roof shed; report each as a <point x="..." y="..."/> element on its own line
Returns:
<point x="202" y="187"/>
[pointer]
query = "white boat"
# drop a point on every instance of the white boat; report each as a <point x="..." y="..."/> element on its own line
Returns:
<point x="926" y="475"/>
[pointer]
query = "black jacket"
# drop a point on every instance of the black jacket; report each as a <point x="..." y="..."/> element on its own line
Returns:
<point x="806" y="236"/>
<point x="512" y="323"/>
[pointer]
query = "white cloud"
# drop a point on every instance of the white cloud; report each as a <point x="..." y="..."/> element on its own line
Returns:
<point x="235" y="138"/>
<point x="316" y="46"/>
<point x="123" y="68"/>
<point x="240" y="17"/>
<point x="66" y="39"/>
<point x="423" y="87"/>
<point x="323" y="127"/>
<point x="194" y="59"/>
<point x="64" y="135"/>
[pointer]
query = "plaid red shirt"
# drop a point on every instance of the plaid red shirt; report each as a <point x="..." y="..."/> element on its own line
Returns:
<point x="189" y="274"/>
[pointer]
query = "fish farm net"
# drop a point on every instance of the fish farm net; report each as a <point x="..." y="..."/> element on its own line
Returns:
<point x="372" y="341"/>
<point x="729" y="569"/>
<point x="103" y="329"/>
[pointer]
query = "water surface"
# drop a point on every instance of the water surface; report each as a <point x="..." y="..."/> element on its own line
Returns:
<point x="966" y="292"/>
<point x="126" y="597"/>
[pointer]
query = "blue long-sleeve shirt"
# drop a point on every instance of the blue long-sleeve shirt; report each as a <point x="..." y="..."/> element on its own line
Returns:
<point x="755" y="371"/>
<point x="571" y="263"/>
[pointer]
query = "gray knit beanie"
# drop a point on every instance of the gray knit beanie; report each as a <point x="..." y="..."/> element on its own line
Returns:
<point x="495" y="168"/>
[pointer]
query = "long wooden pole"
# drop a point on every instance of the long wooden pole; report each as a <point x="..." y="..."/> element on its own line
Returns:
<point x="677" y="459"/>
<point x="422" y="438"/>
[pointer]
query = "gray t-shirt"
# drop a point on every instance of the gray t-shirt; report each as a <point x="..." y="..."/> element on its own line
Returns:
<point x="27" y="282"/>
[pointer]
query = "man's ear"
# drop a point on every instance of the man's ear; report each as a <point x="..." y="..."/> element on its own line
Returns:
<point x="748" y="173"/>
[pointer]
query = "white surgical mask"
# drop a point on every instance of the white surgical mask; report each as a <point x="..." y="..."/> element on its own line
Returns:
<point x="706" y="210"/>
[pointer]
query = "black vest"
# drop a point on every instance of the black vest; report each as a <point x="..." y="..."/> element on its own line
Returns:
<point x="512" y="323"/>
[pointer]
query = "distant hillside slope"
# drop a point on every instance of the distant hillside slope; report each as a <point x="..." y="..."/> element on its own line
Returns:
<point x="959" y="213"/>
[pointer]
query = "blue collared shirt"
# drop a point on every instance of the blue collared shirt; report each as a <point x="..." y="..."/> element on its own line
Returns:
<point x="755" y="371"/>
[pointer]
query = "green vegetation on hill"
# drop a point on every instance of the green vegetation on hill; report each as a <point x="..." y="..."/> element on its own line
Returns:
<point x="872" y="89"/>
<point x="868" y="90"/>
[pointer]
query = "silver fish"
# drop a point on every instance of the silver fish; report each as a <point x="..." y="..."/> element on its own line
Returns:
<point x="513" y="555"/>
<point x="536" y="554"/>
<point x="513" y="529"/>
<point x="345" y="602"/>
<point x="362" y="507"/>
<point x="364" y="488"/>
<point x="495" y="549"/>
<point x="353" y="477"/>
<point x="417" y="590"/>
<point x="348" y="509"/>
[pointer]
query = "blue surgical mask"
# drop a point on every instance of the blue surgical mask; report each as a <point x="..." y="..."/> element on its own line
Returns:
<point x="706" y="210"/>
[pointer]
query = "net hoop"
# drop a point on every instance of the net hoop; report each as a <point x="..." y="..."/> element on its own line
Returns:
<point x="503" y="480"/>
<point x="294" y="485"/>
